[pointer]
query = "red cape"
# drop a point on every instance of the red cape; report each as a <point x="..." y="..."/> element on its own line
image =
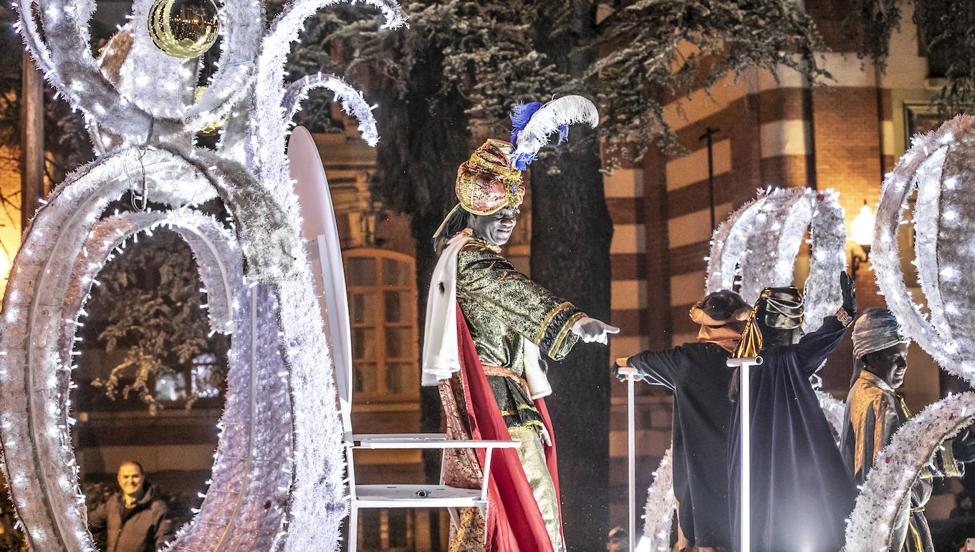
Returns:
<point x="514" y="522"/>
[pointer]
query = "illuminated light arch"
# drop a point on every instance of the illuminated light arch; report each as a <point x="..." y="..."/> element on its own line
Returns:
<point x="298" y="469"/>
<point x="57" y="266"/>
<point x="939" y="167"/>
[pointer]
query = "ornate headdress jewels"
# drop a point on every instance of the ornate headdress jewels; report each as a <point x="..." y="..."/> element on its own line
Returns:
<point x="779" y="308"/>
<point x="491" y="179"/>
<point x="487" y="182"/>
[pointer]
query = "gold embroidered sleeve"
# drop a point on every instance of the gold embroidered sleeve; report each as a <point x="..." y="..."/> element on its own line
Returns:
<point x="486" y="278"/>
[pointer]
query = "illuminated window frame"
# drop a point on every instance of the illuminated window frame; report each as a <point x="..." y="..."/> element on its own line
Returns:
<point x="373" y="378"/>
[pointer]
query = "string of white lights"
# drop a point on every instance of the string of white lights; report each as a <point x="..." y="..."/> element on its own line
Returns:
<point x="938" y="167"/>
<point x="658" y="514"/>
<point x="897" y="466"/>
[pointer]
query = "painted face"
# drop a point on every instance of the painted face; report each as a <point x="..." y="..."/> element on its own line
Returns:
<point x="890" y="363"/>
<point x="130" y="479"/>
<point x="495" y="228"/>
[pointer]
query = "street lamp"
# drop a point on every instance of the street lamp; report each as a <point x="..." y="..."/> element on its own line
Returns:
<point x="861" y="231"/>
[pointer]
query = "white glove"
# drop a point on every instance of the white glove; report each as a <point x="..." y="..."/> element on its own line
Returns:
<point x="591" y="330"/>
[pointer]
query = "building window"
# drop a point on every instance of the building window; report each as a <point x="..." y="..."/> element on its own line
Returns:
<point x="382" y="305"/>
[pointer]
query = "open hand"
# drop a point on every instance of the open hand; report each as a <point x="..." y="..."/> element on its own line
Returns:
<point x="591" y="330"/>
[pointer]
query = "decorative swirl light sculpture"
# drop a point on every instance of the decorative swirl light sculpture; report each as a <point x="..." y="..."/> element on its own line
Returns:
<point x="940" y="168"/>
<point x="759" y="243"/>
<point x="277" y="481"/>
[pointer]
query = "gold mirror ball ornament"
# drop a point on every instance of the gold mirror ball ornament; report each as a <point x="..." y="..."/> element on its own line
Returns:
<point x="184" y="28"/>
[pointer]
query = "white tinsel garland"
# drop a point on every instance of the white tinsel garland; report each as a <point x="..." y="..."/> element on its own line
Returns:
<point x="827" y="235"/>
<point x="760" y="241"/>
<point x="938" y="165"/>
<point x="351" y="99"/>
<point x="834" y="410"/>
<point x="762" y="264"/>
<point x="728" y="245"/>
<point x="65" y="58"/>
<point x="896" y="469"/>
<point x="278" y="473"/>
<point x="268" y="129"/>
<point x="659" y="511"/>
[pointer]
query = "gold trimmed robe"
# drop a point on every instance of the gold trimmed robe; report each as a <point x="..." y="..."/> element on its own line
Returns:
<point x="874" y="412"/>
<point x="503" y="308"/>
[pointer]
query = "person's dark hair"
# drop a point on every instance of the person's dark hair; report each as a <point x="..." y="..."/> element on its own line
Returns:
<point x="142" y="471"/>
<point x="962" y="496"/>
<point x="456" y="222"/>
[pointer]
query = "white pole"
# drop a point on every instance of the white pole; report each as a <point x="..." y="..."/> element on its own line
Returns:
<point x="631" y="374"/>
<point x="744" y="416"/>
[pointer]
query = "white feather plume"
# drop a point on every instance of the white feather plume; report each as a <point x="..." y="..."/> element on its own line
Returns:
<point x="567" y="110"/>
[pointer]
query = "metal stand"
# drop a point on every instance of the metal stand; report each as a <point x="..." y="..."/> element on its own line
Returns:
<point x="745" y="403"/>
<point x="632" y="375"/>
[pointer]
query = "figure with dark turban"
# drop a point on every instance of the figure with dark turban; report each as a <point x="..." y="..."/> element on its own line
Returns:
<point x="801" y="493"/>
<point x="487" y="326"/>
<point x="698" y="375"/>
<point x="874" y="412"/>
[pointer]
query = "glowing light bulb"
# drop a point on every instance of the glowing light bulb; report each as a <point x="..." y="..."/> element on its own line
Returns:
<point x="861" y="229"/>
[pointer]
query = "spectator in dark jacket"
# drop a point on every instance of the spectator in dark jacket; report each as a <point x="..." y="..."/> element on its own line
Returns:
<point x="133" y="520"/>
<point x="964" y="506"/>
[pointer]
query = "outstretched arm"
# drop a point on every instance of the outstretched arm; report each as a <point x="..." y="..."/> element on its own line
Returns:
<point x="489" y="280"/>
<point x="657" y="367"/>
<point x="813" y="348"/>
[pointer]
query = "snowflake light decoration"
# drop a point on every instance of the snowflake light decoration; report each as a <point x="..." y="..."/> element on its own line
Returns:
<point x="277" y="480"/>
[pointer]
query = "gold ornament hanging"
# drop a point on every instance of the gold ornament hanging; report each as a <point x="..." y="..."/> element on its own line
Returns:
<point x="209" y="128"/>
<point x="183" y="28"/>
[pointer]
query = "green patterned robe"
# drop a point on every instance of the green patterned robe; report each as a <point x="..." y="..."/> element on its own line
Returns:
<point x="503" y="308"/>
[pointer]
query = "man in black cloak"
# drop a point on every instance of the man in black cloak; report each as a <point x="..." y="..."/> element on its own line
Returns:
<point x="698" y="375"/>
<point x="801" y="492"/>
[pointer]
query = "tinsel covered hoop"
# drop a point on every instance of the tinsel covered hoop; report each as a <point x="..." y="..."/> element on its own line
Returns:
<point x="278" y="475"/>
<point x="940" y="167"/>
<point x="767" y="233"/>
<point x="896" y="469"/>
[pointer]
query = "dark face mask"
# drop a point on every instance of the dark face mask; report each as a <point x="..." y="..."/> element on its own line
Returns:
<point x="780" y="316"/>
<point x="781" y="310"/>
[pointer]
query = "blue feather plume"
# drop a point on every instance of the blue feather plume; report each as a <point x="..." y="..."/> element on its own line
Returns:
<point x="521" y="114"/>
<point x="521" y="161"/>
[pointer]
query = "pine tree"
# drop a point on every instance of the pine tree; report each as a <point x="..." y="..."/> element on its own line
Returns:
<point x="149" y="307"/>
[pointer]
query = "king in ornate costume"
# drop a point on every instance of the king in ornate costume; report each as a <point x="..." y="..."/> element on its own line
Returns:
<point x="874" y="412"/>
<point x="487" y="326"/>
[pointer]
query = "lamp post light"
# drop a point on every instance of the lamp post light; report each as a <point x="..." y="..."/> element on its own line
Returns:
<point x="861" y="232"/>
